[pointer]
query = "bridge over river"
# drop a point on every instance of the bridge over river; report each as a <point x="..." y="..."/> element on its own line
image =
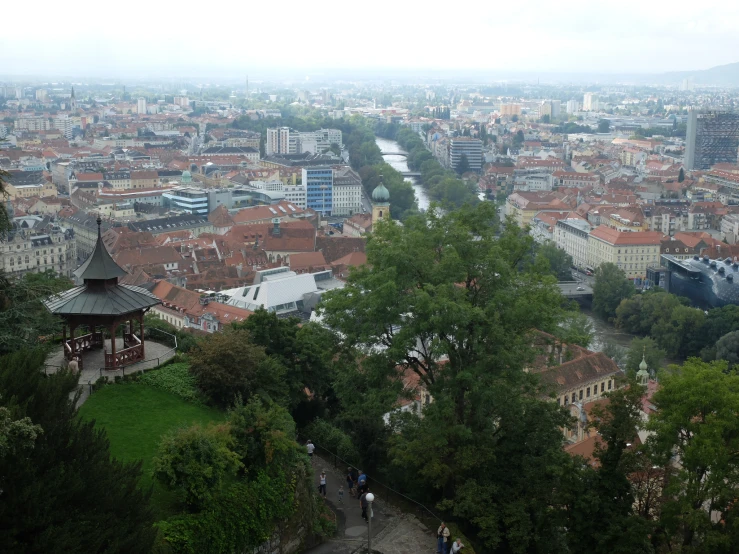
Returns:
<point x="575" y="289"/>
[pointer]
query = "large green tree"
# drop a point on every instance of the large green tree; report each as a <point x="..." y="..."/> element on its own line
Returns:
<point x="560" y="262"/>
<point x="727" y="348"/>
<point x="306" y="351"/>
<point x="464" y="165"/>
<point x="443" y="302"/>
<point x="599" y="498"/>
<point x="228" y="365"/>
<point x="611" y="287"/>
<point x="23" y="318"/>
<point x="61" y="491"/>
<point x="696" y="425"/>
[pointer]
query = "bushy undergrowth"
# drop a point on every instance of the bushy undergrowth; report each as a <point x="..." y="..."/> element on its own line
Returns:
<point x="176" y="379"/>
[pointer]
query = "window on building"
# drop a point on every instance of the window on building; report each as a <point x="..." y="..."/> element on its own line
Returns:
<point x="580" y="394"/>
<point x="588" y="392"/>
<point x="573" y="397"/>
<point x="602" y="387"/>
<point x="609" y="384"/>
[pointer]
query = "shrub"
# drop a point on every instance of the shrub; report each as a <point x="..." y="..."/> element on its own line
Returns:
<point x="173" y="378"/>
<point x="324" y="434"/>
<point x="195" y="461"/>
<point x="239" y="519"/>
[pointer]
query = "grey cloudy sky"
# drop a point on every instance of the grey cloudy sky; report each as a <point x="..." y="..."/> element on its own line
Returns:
<point x="150" y="38"/>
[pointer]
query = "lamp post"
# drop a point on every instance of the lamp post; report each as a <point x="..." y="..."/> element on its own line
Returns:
<point x="370" y="498"/>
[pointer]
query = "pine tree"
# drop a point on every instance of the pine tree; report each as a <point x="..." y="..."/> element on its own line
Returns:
<point x="64" y="493"/>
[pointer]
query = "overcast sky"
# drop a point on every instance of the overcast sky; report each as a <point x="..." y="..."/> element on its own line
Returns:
<point x="233" y="38"/>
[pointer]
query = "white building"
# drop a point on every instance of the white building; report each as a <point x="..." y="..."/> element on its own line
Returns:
<point x="632" y="252"/>
<point x="469" y="147"/>
<point x="573" y="106"/>
<point x="32" y="123"/>
<point x="295" y="194"/>
<point x="590" y="102"/>
<point x="532" y="183"/>
<point x="141" y="106"/>
<point x="278" y="141"/>
<point x="347" y="192"/>
<point x="572" y="235"/>
<point x="281" y="291"/>
<point x="26" y="252"/>
<point x="284" y="140"/>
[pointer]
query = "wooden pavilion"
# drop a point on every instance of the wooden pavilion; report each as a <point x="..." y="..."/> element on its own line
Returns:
<point x="102" y="303"/>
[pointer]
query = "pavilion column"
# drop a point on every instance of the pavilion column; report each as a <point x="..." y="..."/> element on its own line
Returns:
<point x="112" y="344"/>
<point x="64" y="339"/>
<point x="141" y="330"/>
<point x="71" y="339"/>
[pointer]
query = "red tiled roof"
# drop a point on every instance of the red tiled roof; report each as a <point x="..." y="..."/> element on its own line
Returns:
<point x="612" y="236"/>
<point x="307" y="260"/>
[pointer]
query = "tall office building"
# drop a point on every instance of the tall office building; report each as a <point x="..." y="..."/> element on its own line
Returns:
<point x="319" y="189"/>
<point x="288" y="141"/>
<point x="278" y="141"/>
<point x="712" y="137"/>
<point x="573" y="106"/>
<point x="590" y="102"/>
<point x="141" y="107"/>
<point x="470" y="147"/>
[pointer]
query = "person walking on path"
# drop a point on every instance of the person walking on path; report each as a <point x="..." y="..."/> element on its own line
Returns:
<point x="341" y="494"/>
<point x="442" y="537"/>
<point x="362" y="482"/>
<point x="322" y="483"/>
<point x="350" y="481"/>
<point x="310" y="447"/>
<point x="363" y="504"/>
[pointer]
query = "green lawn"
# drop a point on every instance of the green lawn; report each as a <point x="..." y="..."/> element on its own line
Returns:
<point x="135" y="417"/>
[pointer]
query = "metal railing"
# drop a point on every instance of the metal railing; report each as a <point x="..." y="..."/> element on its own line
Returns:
<point x="380" y="489"/>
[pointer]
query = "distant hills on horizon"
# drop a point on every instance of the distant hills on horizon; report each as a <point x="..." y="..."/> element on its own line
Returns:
<point x="720" y="75"/>
<point x="727" y="74"/>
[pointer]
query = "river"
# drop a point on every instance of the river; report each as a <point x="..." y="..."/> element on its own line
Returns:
<point x="399" y="163"/>
<point x="604" y="332"/>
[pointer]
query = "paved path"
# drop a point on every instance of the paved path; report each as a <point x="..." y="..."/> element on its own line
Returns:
<point x="93" y="360"/>
<point x="392" y="531"/>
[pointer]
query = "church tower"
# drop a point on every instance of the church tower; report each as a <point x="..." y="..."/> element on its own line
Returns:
<point x="72" y="102"/>
<point x="380" y="203"/>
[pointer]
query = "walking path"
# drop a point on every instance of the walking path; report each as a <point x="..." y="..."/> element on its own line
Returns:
<point x="392" y="531"/>
<point x="93" y="360"/>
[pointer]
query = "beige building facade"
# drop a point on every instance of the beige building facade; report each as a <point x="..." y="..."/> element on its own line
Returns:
<point x="632" y="252"/>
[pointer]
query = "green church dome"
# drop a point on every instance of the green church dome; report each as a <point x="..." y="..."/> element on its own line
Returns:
<point x="381" y="194"/>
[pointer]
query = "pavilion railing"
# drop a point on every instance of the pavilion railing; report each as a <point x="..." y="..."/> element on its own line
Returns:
<point x="150" y="334"/>
<point x="83" y="343"/>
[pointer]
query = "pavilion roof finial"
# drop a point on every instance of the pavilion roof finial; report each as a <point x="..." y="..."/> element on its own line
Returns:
<point x="99" y="222"/>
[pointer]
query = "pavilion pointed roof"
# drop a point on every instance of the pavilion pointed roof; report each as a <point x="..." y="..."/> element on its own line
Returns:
<point x="101" y="294"/>
<point x="100" y="264"/>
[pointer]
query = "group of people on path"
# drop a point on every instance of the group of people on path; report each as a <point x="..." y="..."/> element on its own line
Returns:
<point x="356" y="484"/>
<point x="444" y="545"/>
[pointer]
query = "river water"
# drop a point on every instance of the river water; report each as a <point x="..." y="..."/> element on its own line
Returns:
<point x="604" y="332"/>
<point x="400" y="163"/>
